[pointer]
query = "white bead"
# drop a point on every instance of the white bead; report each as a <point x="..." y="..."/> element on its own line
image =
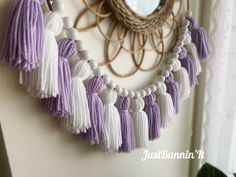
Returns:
<point x="157" y="84"/>
<point x="118" y="89"/>
<point x="143" y="93"/>
<point x="131" y="93"/>
<point x="98" y="72"/>
<point x="180" y="43"/>
<point x="72" y="33"/>
<point x="153" y="88"/>
<point x="68" y="23"/>
<point x="188" y="13"/>
<point x="148" y="91"/>
<point x="177" y="49"/>
<point x="80" y="45"/>
<point x="182" y="37"/>
<point x="58" y="6"/>
<point x="165" y="73"/>
<point x="186" y="23"/>
<point x="93" y="64"/>
<point x="161" y="78"/>
<point x="171" y="61"/>
<point x="137" y="94"/>
<point x="124" y="92"/>
<point x="106" y="79"/>
<point x="183" y="30"/>
<point x="169" y="68"/>
<point x="111" y="85"/>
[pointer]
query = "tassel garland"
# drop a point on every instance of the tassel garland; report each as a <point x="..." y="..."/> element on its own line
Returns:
<point x="140" y="121"/>
<point x="97" y="133"/>
<point x="127" y="127"/>
<point x="25" y="34"/>
<point x="167" y="109"/>
<point x="80" y="118"/>
<point x="188" y="63"/>
<point x="173" y="90"/>
<point x="152" y="110"/>
<point x="112" y="120"/>
<point x="199" y="38"/>
<point x="192" y="50"/>
<point x="61" y="105"/>
<point x="43" y="81"/>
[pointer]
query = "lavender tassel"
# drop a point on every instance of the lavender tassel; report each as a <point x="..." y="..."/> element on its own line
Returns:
<point x="199" y="38"/>
<point x="61" y="105"/>
<point x="97" y="133"/>
<point x="24" y="40"/>
<point x="127" y="127"/>
<point x="188" y="63"/>
<point x="154" y="118"/>
<point x="173" y="89"/>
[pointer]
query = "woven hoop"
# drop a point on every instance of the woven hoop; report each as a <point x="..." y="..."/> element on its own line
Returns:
<point x="138" y="23"/>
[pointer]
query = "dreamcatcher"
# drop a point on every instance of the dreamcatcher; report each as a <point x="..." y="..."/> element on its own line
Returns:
<point x="72" y="86"/>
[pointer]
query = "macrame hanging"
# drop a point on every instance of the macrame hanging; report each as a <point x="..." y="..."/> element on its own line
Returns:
<point x="89" y="103"/>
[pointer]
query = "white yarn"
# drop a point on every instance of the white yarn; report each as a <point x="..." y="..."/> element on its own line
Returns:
<point x="166" y="106"/>
<point x="43" y="82"/>
<point x="140" y="121"/>
<point x="112" y="120"/>
<point x="182" y="77"/>
<point x="80" y="119"/>
<point x="193" y="52"/>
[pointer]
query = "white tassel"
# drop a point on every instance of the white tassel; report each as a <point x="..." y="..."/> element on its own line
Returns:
<point x="112" y="120"/>
<point x="166" y="107"/>
<point x="181" y="76"/>
<point x="193" y="52"/>
<point x="80" y="119"/>
<point x="43" y="82"/>
<point x="140" y="120"/>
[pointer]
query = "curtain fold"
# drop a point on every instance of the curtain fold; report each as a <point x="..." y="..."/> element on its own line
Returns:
<point x="215" y="115"/>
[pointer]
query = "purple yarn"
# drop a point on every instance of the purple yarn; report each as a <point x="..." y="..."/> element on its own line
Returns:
<point x="97" y="133"/>
<point x="173" y="89"/>
<point x="154" y="117"/>
<point x="25" y="34"/>
<point x="188" y="63"/>
<point x="199" y="38"/>
<point x="61" y="105"/>
<point x="127" y="127"/>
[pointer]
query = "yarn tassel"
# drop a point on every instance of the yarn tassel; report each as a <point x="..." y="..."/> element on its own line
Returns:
<point x="61" y="105"/>
<point x="152" y="110"/>
<point x="112" y="120"/>
<point x="192" y="50"/>
<point x="127" y="127"/>
<point x="140" y="121"/>
<point x="181" y="76"/>
<point x="80" y="119"/>
<point x="173" y="90"/>
<point x="24" y="39"/>
<point x="188" y="63"/>
<point x="199" y="38"/>
<point x="97" y="133"/>
<point x="167" y="109"/>
<point x="43" y="81"/>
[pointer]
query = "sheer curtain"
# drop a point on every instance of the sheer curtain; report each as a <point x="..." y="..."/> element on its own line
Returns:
<point x="215" y="116"/>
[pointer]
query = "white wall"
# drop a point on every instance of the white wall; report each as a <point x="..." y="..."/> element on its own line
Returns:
<point x="37" y="147"/>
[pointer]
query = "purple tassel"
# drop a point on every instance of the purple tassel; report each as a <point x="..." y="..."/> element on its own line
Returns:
<point x="154" y="117"/>
<point x="24" y="39"/>
<point x="173" y="89"/>
<point x="127" y="127"/>
<point x="188" y="63"/>
<point x="61" y="106"/>
<point x="97" y="133"/>
<point x="199" y="38"/>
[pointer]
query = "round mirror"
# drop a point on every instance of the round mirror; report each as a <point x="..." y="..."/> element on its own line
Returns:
<point x="143" y="8"/>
